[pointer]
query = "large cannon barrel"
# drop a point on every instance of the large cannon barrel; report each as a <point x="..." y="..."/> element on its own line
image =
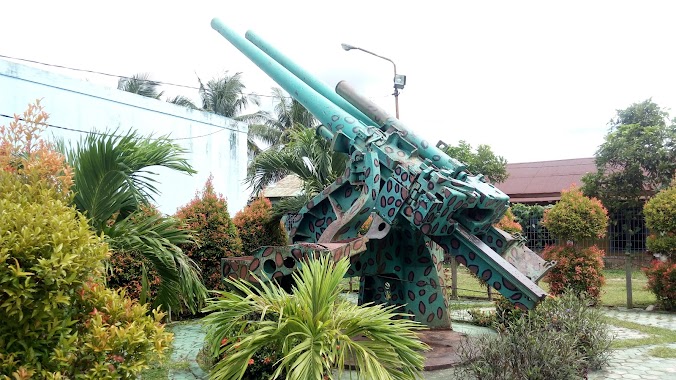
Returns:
<point x="334" y="118"/>
<point x="384" y="120"/>
<point x="306" y="77"/>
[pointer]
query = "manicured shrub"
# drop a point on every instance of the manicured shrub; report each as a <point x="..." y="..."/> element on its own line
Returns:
<point x="578" y="270"/>
<point x="509" y="224"/>
<point x="54" y="322"/>
<point x="256" y="228"/>
<point x="576" y="217"/>
<point x="216" y="235"/>
<point x="573" y="218"/>
<point x="662" y="283"/>
<point x="660" y="218"/>
<point x="563" y="338"/>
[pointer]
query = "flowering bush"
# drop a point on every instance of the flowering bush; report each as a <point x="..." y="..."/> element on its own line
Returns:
<point x="578" y="270"/>
<point x="662" y="282"/>
<point x="509" y="224"/>
<point x="216" y="235"/>
<point x="255" y="227"/>
<point x="576" y="217"/>
<point x="660" y="218"/>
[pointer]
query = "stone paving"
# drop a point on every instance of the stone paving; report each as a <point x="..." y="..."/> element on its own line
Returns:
<point x="188" y="340"/>
<point x="633" y="363"/>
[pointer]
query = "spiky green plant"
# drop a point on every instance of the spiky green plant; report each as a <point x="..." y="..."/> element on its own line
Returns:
<point x="316" y="329"/>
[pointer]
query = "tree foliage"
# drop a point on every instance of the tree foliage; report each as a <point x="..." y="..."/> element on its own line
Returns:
<point x="637" y="158"/>
<point x="482" y="161"/>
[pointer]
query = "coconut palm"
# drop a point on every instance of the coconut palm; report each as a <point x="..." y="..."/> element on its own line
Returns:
<point x="140" y="84"/>
<point x="112" y="181"/>
<point x="307" y="156"/>
<point x="273" y="129"/>
<point x="316" y="329"/>
<point x="225" y="96"/>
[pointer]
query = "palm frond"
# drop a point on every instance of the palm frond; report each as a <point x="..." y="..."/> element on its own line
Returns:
<point x="183" y="101"/>
<point x="157" y="238"/>
<point x="140" y="84"/>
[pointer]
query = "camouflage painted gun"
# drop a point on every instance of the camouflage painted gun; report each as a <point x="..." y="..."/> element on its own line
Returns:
<point x="425" y="205"/>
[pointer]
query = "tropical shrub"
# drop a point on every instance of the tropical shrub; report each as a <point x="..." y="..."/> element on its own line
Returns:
<point x="256" y="228"/>
<point x="563" y="338"/>
<point x="316" y="330"/>
<point x="576" y="217"/>
<point x="662" y="283"/>
<point x="509" y="224"/>
<point x="57" y="322"/>
<point x="660" y="218"/>
<point x="113" y="181"/>
<point x="578" y="270"/>
<point x="215" y="234"/>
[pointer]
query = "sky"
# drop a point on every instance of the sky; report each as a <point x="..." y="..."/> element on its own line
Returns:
<point x="535" y="80"/>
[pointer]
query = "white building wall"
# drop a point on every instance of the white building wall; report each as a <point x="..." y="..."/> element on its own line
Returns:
<point x="76" y="104"/>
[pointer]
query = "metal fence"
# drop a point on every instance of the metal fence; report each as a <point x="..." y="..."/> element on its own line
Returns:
<point x="627" y="234"/>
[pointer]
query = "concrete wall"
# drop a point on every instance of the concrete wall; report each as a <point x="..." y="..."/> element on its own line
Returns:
<point x="80" y="105"/>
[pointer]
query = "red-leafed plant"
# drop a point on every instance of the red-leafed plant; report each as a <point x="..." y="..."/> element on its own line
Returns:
<point x="216" y="235"/>
<point x="662" y="282"/>
<point x="577" y="269"/>
<point x="256" y="228"/>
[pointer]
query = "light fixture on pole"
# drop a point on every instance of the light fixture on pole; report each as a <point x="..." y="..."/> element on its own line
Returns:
<point x="399" y="80"/>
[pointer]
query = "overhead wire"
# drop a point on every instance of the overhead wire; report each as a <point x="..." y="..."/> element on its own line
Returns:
<point x="133" y="78"/>
<point x="221" y="129"/>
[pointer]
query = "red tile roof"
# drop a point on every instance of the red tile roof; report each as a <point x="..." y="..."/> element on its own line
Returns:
<point x="543" y="181"/>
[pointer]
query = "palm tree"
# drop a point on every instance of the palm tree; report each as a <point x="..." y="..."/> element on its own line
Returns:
<point x="273" y="129"/>
<point x="307" y="156"/>
<point x="225" y="96"/>
<point x="111" y="184"/>
<point x="141" y="85"/>
<point x="316" y="330"/>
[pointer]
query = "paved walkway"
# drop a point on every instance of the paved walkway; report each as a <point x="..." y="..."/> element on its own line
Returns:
<point x="634" y="363"/>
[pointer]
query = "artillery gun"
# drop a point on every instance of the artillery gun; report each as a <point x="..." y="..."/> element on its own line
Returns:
<point x="426" y="207"/>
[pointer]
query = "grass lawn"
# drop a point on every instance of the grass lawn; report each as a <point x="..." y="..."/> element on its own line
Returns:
<point x="614" y="293"/>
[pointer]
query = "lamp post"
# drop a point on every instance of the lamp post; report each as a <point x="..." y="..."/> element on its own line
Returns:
<point x="399" y="80"/>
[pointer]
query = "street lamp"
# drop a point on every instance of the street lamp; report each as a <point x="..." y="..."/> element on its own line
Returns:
<point x="399" y="80"/>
